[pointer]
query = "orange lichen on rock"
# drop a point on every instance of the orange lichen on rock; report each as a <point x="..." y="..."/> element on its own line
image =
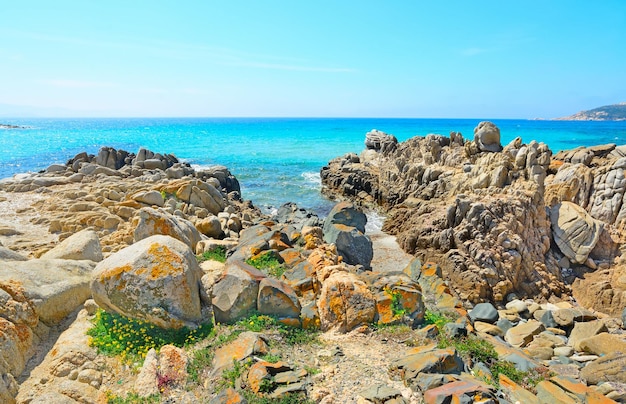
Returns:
<point x="167" y="262"/>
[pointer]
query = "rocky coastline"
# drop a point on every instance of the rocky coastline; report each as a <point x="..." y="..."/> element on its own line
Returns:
<point x="511" y="246"/>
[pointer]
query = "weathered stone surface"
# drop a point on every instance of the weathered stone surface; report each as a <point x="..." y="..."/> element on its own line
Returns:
<point x="381" y="393"/>
<point x="461" y="392"/>
<point x="487" y="137"/>
<point x="150" y="222"/>
<point x="236" y="293"/>
<point x="83" y="245"/>
<point x="53" y="288"/>
<point x="441" y="361"/>
<point x="345" y="302"/>
<point x="575" y="231"/>
<point x="152" y="198"/>
<point x="484" y="312"/>
<point x="210" y="227"/>
<point x="580" y="391"/>
<point x="278" y="299"/>
<point x="247" y="344"/>
<point x="229" y="396"/>
<point x="156" y="279"/>
<point x="522" y="334"/>
<point x="7" y="254"/>
<point x="609" y="368"/>
<point x="345" y="227"/>
<point x="603" y="344"/>
<point x="582" y="331"/>
<point x="516" y="393"/>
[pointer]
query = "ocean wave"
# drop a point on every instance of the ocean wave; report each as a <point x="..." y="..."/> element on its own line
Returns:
<point x="312" y="177"/>
<point x="374" y="221"/>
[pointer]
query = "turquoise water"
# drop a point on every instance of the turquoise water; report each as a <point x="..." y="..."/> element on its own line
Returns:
<point x="276" y="160"/>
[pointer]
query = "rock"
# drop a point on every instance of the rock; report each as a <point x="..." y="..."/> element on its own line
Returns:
<point x="156" y="279"/>
<point x="152" y="222"/>
<point x="624" y="318"/>
<point x="235" y="293"/>
<point x="151" y="198"/>
<point x="52" y="288"/>
<point x="608" y="368"/>
<point x="574" y="230"/>
<point x="487" y="137"/>
<point x="278" y="299"/>
<point x="146" y="383"/>
<point x="516" y="393"/>
<point x="7" y="254"/>
<point x="379" y="141"/>
<point x="522" y="334"/>
<point x="345" y="302"/>
<point x="602" y="344"/>
<point x="484" y="312"/>
<point x="582" y="331"/>
<point x="247" y="344"/>
<point x="210" y="227"/>
<point x="230" y="396"/>
<point x="345" y="227"/>
<point x="579" y="391"/>
<point x="442" y="361"/>
<point x="290" y="213"/>
<point x="461" y="391"/>
<point x="83" y="245"/>
<point x="381" y="393"/>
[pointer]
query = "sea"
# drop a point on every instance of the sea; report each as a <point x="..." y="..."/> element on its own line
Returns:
<point x="276" y="160"/>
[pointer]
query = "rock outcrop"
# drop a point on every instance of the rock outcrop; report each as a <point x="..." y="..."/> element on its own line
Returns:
<point x="501" y="222"/>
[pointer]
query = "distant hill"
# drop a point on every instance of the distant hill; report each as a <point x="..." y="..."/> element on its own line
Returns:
<point x="615" y="112"/>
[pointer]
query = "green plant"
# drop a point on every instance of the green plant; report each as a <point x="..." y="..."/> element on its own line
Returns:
<point x="289" y="398"/>
<point x="527" y="379"/>
<point x="271" y="358"/>
<point x="397" y="309"/>
<point x="438" y="319"/>
<point x="257" y="322"/>
<point x="132" y="398"/>
<point x="200" y="360"/>
<point x="298" y="336"/>
<point x="477" y="349"/>
<point x="231" y="375"/>
<point x="311" y="370"/>
<point x="113" y="334"/>
<point x="267" y="263"/>
<point x="217" y="254"/>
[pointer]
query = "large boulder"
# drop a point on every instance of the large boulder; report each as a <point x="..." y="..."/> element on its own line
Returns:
<point x="345" y="227"/>
<point x="487" y="137"/>
<point x="150" y="222"/>
<point x="574" y="230"/>
<point x="156" y="279"/>
<point x="34" y="295"/>
<point x="235" y="294"/>
<point x="83" y="245"/>
<point x="278" y="299"/>
<point x="345" y="302"/>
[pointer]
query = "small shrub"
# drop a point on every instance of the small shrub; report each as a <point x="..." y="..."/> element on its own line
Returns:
<point x="200" y="360"/>
<point x="257" y="323"/>
<point x="438" y="319"/>
<point x="271" y="358"/>
<point x="289" y="398"/>
<point x="132" y="398"/>
<point x="269" y="264"/>
<point x="114" y="334"/>
<point x="231" y="375"/>
<point x="217" y="254"/>
<point x="311" y="370"/>
<point x="477" y="349"/>
<point x="396" y="302"/>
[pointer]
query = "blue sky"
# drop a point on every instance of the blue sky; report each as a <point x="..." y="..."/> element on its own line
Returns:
<point x="424" y="59"/>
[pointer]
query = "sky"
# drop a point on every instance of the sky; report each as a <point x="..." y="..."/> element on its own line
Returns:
<point x="342" y="58"/>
